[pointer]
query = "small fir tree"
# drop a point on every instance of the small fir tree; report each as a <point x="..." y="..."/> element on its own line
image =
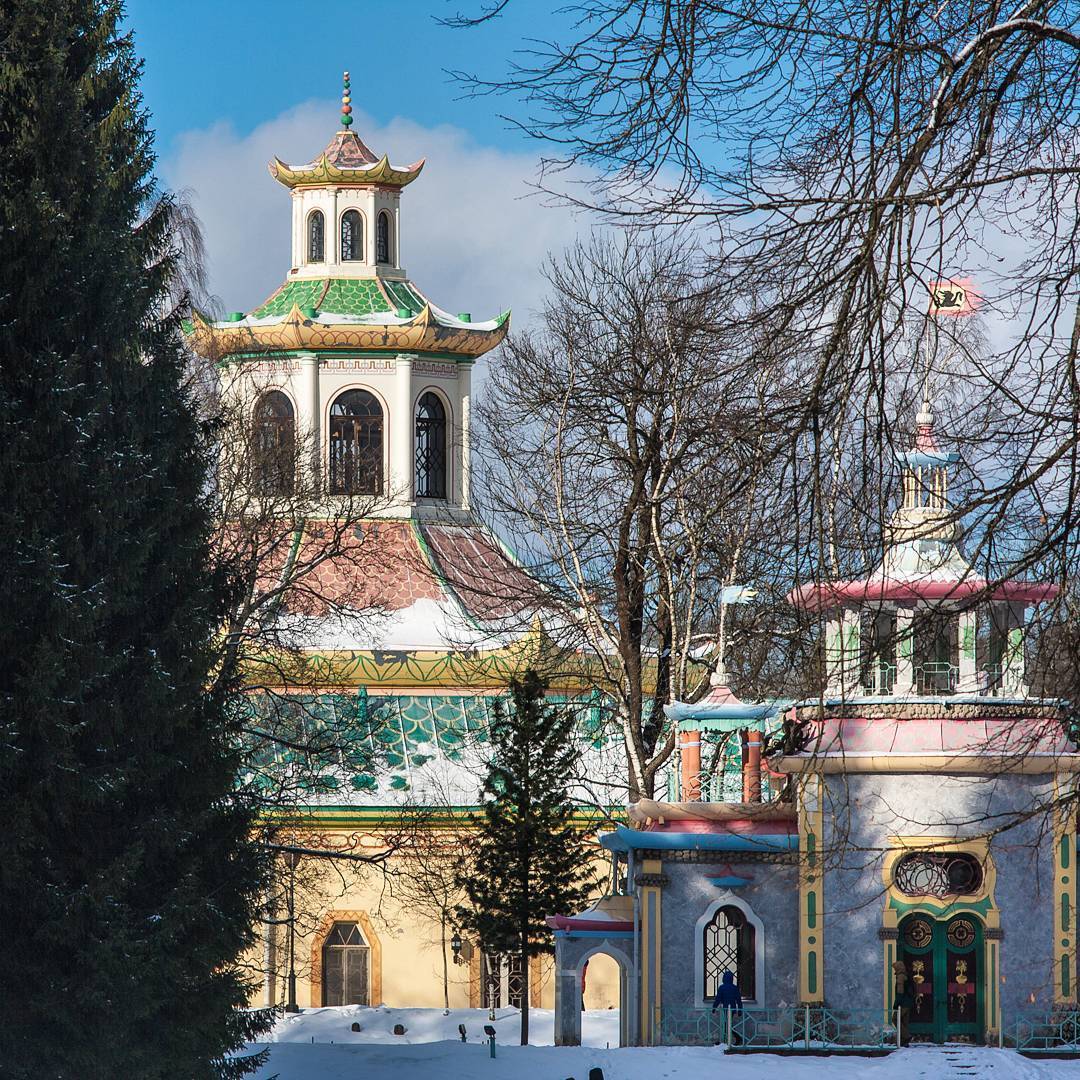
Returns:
<point x="530" y="861"/>
<point x="128" y="885"/>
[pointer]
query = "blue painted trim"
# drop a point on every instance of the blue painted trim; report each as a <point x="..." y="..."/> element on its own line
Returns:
<point x="745" y="714"/>
<point x="915" y="458"/>
<point x="610" y="935"/>
<point x="731" y="882"/>
<point x="624" y="839"/>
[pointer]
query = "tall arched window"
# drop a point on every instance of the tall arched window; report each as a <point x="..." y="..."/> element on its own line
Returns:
<point x="345" y="966"/>
<point x="729" y="946"/>
<point x="356" y="444"/>
<point x="273" y="450"/>
<point x="383" y="238"/>
<point x="430" y="447"/>
<point x="316" y="236"/>
<point x="352" y="236"/>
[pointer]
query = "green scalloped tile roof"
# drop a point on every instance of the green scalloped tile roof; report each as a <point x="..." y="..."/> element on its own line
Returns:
<point x="302" y="293"/>
<point x="385" y="734"/>
<point x="338" y="296"/>
<point x="405" y="296"/>
<point x="353" y="296"/>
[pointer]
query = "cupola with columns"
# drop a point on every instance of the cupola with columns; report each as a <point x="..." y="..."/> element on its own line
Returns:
<point x="348" y="355"/>
<point x="924" y="623"/>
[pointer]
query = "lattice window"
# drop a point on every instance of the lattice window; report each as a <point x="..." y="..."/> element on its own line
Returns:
<point x="346" y="966"/>
<point x="273" y="447"/>
<point x="356" y="444"/>
<point x="316" y="231"/>
<point x="729" y="946"/>
<point x="352" y="236"/>
<point x="430" y="447"/>
<point x="383" y="240"/>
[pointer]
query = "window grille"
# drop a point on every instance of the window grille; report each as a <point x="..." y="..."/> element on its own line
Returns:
<point x="729" y="946"/>
<point x="352" y="236"/>
<point x="273" y="447"/>
<point x="345" y="966"/>
<point x="430" y="448"/>
<point x="382" y="238"/>
<point x="316" y="237"/>
<point x="356" y="444"/>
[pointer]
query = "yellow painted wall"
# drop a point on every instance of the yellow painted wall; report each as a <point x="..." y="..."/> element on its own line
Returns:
<point x="406" y="957"/>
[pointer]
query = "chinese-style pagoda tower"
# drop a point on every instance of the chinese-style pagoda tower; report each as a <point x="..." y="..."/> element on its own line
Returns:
<point x="364" y="386"/>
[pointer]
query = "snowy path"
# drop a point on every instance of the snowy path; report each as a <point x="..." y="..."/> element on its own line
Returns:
<point x="430" y="1049"/>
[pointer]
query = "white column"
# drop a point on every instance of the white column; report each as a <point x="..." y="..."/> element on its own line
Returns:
<point x="1012" y="658"/>
<point x="968" y="680"/>
<point x="397" y="236"/>
<point x="309" y="420"/>
<point x="402" y="424"/>
<point x="905" y="673"/>
<point x="297" y="230"/>
<point x="464" y="372"/>
<point x="333" y="237"/>
<point x="850" y="623"/>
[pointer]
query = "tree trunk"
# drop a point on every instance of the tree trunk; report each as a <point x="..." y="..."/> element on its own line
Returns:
<point x="524" y="960"/>
<point x="445" y="966"/>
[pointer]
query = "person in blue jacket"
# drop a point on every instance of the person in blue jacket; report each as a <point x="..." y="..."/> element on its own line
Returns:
<point x="728" y="996"/>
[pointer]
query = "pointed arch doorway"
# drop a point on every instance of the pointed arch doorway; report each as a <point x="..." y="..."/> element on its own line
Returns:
<point x="944" y="961"/>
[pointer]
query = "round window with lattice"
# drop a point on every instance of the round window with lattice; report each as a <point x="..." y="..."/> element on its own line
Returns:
<point x="941" y="874"/>
<point x="961" y="933"/>
<point x="917" y="933"/>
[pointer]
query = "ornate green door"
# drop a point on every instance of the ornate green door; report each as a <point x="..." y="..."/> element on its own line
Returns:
<point x="944" y="964"/>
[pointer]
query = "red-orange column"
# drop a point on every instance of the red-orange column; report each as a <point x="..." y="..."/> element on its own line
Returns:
<point x="751" y="781"/>
<point x="690" y="747"/>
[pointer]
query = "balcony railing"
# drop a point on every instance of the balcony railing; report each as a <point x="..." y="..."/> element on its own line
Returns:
<point x="880" y="680"/>
<point x="935" y="677"/>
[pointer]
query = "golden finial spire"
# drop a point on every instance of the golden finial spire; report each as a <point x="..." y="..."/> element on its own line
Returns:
<point x="346" y="104"/>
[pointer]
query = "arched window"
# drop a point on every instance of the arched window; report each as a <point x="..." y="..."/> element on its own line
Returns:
<point x="352" y="236"/>
<point x="383" y="239"/>
<point x="345" y="966"/>
<point x="316" y="237"/>
<point x="728" y="945"/>
<point x="430" y="447"/>
<point x="273" y="450"/>
<point x="356" y="444"/>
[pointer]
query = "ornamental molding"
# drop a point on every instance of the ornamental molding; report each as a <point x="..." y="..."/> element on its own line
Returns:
<point x="994" y="933"/>
<point x="428" y="367"/>
<point x="359" y="364"/>
<point x="886" y="933"/>
<point x="651" y="880"/>
<point x="273" y="367"/>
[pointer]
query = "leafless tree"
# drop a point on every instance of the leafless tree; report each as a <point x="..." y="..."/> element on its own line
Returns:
<point x="628" y="441"/>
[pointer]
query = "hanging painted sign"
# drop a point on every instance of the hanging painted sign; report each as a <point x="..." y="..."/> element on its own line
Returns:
<point x="956" y="296"/>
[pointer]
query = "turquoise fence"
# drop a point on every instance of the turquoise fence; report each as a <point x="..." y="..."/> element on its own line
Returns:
<point x="792" y="1028"/>
<point x="1045" y="1031"/>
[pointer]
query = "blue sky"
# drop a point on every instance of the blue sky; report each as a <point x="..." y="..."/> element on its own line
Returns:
<point x="232" y="83"/>
<point x="243" y="61"/>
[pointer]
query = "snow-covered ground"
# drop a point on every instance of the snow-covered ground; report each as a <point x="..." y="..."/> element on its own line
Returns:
<point x="319" y="1044"/>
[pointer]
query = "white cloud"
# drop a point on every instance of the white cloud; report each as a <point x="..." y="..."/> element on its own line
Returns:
<point x="473" y="238"/>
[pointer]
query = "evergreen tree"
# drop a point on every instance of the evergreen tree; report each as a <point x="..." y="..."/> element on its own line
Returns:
<point x="127" y="883"/>
<point x="530" y="860"/>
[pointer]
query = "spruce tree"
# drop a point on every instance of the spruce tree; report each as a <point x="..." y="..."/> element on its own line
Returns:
<point x="127" y="883"/>
<point x="530" y="861"/>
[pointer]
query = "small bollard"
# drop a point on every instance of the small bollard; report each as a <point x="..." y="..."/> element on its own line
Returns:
<point x="461" y="1032"/>
<point x="355" y="1027"/>
<point x="596" y="1073"/>
<point x="491" y="1044"/>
